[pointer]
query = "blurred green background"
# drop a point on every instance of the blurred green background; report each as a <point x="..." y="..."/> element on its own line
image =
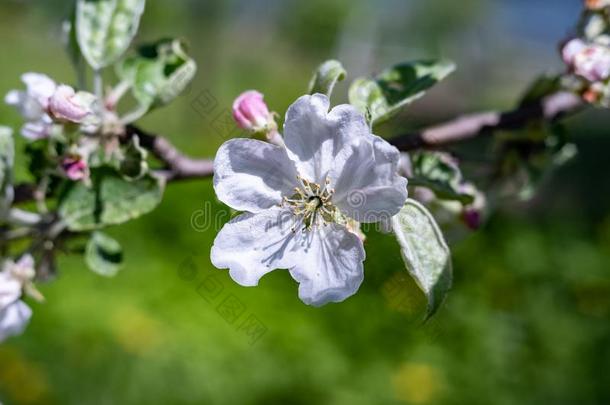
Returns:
<point x="527" y="322"/>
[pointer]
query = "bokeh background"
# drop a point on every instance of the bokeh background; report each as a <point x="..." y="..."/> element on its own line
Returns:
<point x="528" y="319"/>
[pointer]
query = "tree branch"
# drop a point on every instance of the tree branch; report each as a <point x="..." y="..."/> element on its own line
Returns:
<point x="179" y="166"/>
<point x="460" y="129"/>
<point x="473" y="125"/>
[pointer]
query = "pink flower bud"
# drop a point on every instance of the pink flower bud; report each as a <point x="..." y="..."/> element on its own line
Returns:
<point x="590" y="61"/>
<point x="251" y="113"/>
<point x="75" y="168"/>
<point x="67" y="105"/>
<point x="571" y="49"/>
<point x="472" y="218"/>
<point x="596" y="4"/>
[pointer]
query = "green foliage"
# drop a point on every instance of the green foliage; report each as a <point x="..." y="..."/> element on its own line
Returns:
<point x="424" y="251"/>
<point x="105" y="28"/>
<point x="326" y="76"/>
<point x="158" y="73"/>
<point x="133" y="165"/>
<point x="529" y="156"/>
<point x="111" y="200"/>
<point x="543" y="86"/>
<point x="103" y="254"/>
<point x="440" y="172"/>
<point x="386" y="94"/>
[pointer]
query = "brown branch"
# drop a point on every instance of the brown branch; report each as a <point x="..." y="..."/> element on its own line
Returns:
<point x="24" y="192"/>
<point x="179" y="166"/>
<point x="460" y="129"/>
<point x="473" y="125"/>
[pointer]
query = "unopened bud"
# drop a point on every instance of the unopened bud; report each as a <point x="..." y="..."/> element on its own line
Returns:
<point x="251" y="113"/>
<point x="597" y="4"/>
<point x="68" y="106"/>
<point x="75" y="168"/>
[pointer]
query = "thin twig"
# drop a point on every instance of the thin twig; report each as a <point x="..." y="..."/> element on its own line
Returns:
<point x="473" y="125"/>
<point x="179" y="166"/>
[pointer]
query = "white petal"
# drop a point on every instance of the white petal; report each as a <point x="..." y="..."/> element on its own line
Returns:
<point x="14" y="319"/>
<point x="315" y="137"/>
<point x="368" y="187"/>
<point x="40" y="87"/>
<point x="27" y="106"/>
<point x="331" y="269"/>
<point x="14" y="98"/>
<point x="10" y="289"/>
<point x="36" y="130"/>
<point x="251" y="245"/>
<point x="251" y="175"/>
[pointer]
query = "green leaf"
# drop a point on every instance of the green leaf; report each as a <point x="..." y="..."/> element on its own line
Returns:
<point x="133" y="166"/>
<point x="7" y="160"/>
<point x="529" y="156"/>
<point x="543" y="86"/>
<point x="73" y="49"/>
<point x="386" y="94"/>
<point x="105" y="28"/>
<point x="424" y="251"/>
<point x="439" y="172"/>
<point x="158" y="73"/>
<point x="103" y="254"/>
<point x="326" y="76"/>
<point x="111" y="200"/>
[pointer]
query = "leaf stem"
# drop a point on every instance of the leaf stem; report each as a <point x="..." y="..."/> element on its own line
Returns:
<point x="17" y="216"/>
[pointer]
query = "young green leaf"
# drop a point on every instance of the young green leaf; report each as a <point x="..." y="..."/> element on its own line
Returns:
<point x="424" y="251"/>
<point x="440" y="173"/>
<point x="133" y="166"/>
<point x="111" y="200"/>
<point x="326" y="76"/>
<point x="386" y="94"/>
<point x="105" y="28"/>
<point x="543" y="86"/>
<point x="158" y="73"/>
<point x="103" y="254"/>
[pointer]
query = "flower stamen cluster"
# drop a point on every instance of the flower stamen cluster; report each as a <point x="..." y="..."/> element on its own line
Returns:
<point x="311" y="204"/>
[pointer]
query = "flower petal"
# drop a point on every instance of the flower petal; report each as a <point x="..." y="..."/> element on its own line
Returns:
<point x="368" y="187"/>
<point x="330" y="269"/>
<point x="10" y="289"/>
<point x="14" y="319"/>
<point x="251" y="175"/>
<point x="39" y="86"/>
<point x="252" y="245"/>
<point x="315" y="137"/>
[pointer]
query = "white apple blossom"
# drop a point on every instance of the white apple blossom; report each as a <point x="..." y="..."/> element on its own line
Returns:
<point x="14" y="318"/>
<point x="303" y="201"/>
<point x="33" y="103"/>
<point x="14" y="279"/>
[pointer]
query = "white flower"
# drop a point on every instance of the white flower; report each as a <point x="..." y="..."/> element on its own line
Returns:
<point x="14" y="278"/>
<point x="33" y="103"/>
<point x="302" y="200"/>
<point x="10" y="289"/>
<point x="13" y="319"/>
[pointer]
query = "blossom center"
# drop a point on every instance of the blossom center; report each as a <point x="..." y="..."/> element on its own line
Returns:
<point x="311" y="204"/>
